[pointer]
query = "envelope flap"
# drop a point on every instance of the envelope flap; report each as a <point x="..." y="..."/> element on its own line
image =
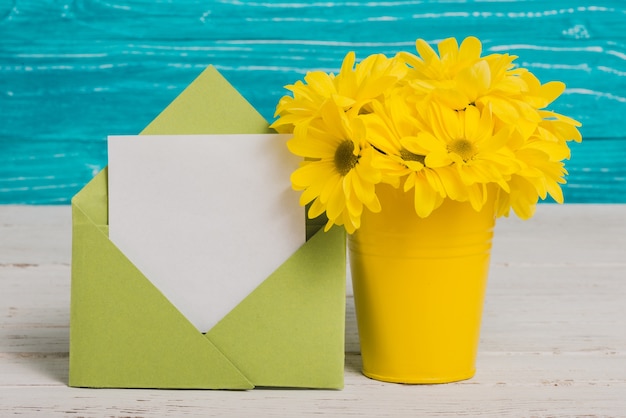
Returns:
<point x="93" y="199"/>
<point x="288" y="331"/>
<point x="125" y="333"/>
<point x="209" y="105"/>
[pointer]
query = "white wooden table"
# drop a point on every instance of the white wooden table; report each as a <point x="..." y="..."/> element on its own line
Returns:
<point x="553" y="340"/>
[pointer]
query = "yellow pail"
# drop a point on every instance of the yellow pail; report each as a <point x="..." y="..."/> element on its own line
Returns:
<point x="419" y="288"/>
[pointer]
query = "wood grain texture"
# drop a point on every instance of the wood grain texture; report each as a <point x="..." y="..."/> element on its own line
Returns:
<point x="553" y="341"/>
<point x="74" y="71"/>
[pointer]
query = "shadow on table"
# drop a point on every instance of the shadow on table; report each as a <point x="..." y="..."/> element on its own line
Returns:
<point x="353" y="363"/>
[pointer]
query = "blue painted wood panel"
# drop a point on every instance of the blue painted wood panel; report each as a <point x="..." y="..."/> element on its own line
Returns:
<point x="74" y="71"/>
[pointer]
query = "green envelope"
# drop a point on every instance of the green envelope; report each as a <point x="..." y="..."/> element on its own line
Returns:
<point x="124" y="333"/>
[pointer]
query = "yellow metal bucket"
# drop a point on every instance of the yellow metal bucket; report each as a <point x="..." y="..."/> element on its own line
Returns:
<point x="419" y="288"/>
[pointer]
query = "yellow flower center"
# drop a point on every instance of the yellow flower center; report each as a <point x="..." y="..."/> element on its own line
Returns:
<point x="345" y="160"/>
<point x="463" y="148"/>
<point x="407" y="155"/>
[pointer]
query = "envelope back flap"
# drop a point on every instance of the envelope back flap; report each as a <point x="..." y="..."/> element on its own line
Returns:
<point x="209" y="105"/>
<point x="290" y="330"/>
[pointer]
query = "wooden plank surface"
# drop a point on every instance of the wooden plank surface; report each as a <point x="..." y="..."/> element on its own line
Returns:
<point x="553" y="340"/>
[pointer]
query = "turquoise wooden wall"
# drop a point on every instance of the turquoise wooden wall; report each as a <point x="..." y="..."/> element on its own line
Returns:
<point x="74" y="71"/>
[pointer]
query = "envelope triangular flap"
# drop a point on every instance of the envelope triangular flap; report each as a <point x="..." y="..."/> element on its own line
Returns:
<point x="124" y="332"/>
<point x="93" y="199"/>
<point x="287" y="332"/>
<point x="209" y="105"/>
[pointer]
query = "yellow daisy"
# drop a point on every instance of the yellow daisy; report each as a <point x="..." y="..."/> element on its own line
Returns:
<point x="338" y="176"/>
<point x="445" y="66"/>
<point x="307" y="99"/>
<point x="459" y="78"/>
<point x="353" y="88"/>
<point x="369" y="80"/>
<point x="388" y="128"/>
<point x="466" y="152"/>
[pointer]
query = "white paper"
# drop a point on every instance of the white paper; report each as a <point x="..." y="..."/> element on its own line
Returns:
<point x="206" y="218"/>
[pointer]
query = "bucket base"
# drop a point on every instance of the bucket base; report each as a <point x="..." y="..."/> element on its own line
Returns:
<point x="420" y="380"/>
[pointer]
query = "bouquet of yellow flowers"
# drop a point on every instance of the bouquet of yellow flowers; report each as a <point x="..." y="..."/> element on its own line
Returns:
<point x="452" y="125"/>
